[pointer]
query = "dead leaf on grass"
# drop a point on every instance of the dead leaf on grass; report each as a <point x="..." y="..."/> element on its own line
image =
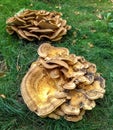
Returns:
<point x="2" y="74"/>
<point x="3" y="68"/>
<point x="31" y="4"/>
<point x="18" y="68"/>
<point x="84" y="36"/>
<point x="99" y="16"/>
<point x="58" y="7"/>
<point x="73" y="42"/>
<point x="2" y="96"/>
<point x="93" y="30"/>
<point x="76" y="12"/>
<point x="90" y="45"/>
<point x="75" y="34"/>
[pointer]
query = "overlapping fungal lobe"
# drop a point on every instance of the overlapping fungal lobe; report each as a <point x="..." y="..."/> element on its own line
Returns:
<point x="60" y="84"/>
<point x="37" y="24"/>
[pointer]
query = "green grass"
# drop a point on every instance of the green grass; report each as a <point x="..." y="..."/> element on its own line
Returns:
<point x="19" y="54"/>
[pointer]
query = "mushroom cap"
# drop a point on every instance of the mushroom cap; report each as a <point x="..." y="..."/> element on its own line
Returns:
<point x="58" y="62"/>
<point x="54" y="116"/>
<point x="50" y="52"/>
<point x="79" y="100"/>
<point x="9" y="30"/>
<point x="75" y="118"/>
<point x="44" y="49"/>
<point x="38" y="91"/>
<point x="54" y="73"/>
<point x="70" y="85"/>
<point x="69" y="109"/>
<point x="86" y="79"/>
<point x="61" y="95"/>
<point x="71" y="73"/>
<point x="46" y="65"/>
<point x="59" y="112"/>
<point x="96" y="89"/>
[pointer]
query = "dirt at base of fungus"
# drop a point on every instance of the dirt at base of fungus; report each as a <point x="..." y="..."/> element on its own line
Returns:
<point x="37" y="24"/>
<point x="60" y="84"/>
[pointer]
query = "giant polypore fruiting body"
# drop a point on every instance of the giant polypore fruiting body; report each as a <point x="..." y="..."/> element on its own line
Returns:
<point x="37" y="24"/>
<point x="61" y="84"/>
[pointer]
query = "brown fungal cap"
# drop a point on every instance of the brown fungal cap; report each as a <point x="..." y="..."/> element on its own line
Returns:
<point x="38" y="93"/>
<point x="54" y="116"/>
<point x="75" y="118"/>
<point x="79" y="100"/>
<point x="96" y="89"/>
<point x="69" y="109"/>
<point x="38" y="24"/>
<point x="50" y="52"/>
<point x="55" y="73"/>
<point x="61" y="84"/>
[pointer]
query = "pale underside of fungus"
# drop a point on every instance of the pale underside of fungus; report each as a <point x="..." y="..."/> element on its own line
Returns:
<point x="37" y="24"/>
<point x="60" y="84"/>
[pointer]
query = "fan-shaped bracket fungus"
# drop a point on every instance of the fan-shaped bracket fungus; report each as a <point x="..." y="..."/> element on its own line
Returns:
<point x="61" y="84"/>
<point x="37" y="24"/>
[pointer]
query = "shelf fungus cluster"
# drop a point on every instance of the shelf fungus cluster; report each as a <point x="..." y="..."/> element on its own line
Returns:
<point x="60" y="84"/>
<point x="37" y="24"/>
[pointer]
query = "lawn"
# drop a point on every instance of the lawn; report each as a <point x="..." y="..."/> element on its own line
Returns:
<point x="90" y="37"/>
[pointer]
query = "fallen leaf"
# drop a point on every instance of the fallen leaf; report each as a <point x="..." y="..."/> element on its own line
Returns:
<point x="31" y="4"/>
<point x="90" y="45"/>
<point x="17" y="63"/>
<point x="97" y="10"/>
<point x="73" y="42"/>
<point x="77" y="12"/>
<point x="74" y="33"/>
<point x="2" y="96"/>
<point x="3" y="68"/>
<point x="84" y="36"/>
<point x="93" y="30"/>
<point x="2" y="74"/>
<point x="58" y="7"/>
<point x="99" y="16"/>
